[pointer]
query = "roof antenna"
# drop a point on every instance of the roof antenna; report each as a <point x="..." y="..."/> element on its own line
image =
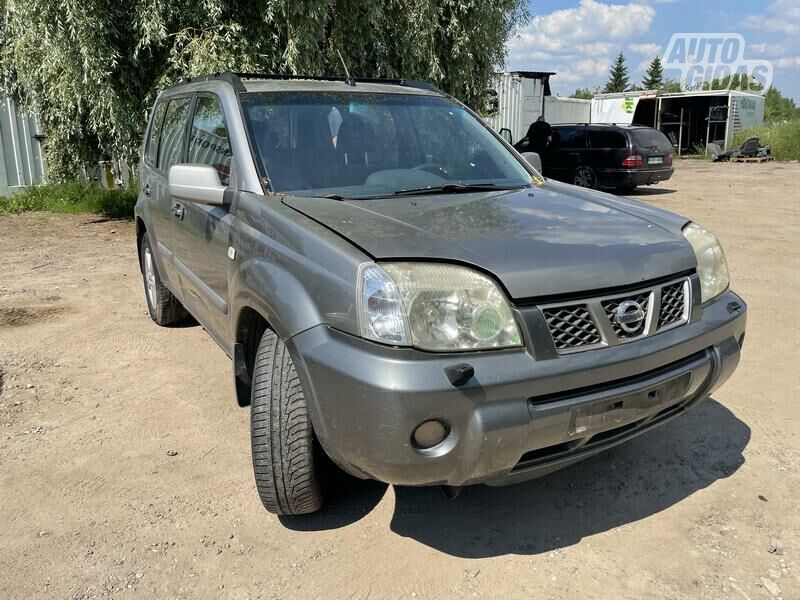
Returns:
<point x="347" y="79"/>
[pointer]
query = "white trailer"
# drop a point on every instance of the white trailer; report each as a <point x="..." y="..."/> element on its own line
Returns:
<point x="523" y="96"/>
<point x="567" y="110"/>
<point x="690" y="119"/>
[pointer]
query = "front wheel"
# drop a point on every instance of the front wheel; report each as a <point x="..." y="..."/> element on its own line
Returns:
<point x="584" y="177"/>
<point x="282" y="438"/>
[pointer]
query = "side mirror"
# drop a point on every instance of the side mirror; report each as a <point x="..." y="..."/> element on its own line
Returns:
<point x="533" y="159"/>
<point x="196" y="183"/>
<point x="505" y="133"/>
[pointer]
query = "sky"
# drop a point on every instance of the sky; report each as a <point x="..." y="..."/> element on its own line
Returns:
<point x="579" y="39"/>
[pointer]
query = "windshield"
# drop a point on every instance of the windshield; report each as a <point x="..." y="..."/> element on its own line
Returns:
<point x="359" y="145"/>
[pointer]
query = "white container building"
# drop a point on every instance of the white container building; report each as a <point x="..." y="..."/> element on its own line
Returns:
<point x="522" y="96"/>
<point x="690" y="119"/>
<point x="21" y="155"/>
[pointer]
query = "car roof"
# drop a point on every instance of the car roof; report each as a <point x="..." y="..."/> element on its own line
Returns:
<point x="603" y="126"/>
<point x="310" y="85"/>
<point x="263" y="82"/>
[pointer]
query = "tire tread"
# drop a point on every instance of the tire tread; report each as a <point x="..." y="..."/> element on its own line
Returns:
<point x="281" y="433"/>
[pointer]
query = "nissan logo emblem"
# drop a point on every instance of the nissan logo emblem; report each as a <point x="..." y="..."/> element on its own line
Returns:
<point x="629" y="316"/>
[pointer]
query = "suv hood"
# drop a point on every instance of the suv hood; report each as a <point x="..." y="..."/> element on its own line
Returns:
<point x="548" y="240"/>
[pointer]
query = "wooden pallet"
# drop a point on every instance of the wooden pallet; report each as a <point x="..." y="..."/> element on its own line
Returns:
<point x="753" y="159"/>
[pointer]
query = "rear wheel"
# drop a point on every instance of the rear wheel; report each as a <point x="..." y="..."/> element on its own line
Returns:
<point x="584" y="177"/>
<point x="282" y="438"/>
<point x="163" y="307"/>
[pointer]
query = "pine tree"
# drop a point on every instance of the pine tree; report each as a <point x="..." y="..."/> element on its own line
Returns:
<point x="654" y="79"/>
<point x="618" y="77"/>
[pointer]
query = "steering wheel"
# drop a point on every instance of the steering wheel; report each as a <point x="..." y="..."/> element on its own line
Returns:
<point x="433" y="168"/>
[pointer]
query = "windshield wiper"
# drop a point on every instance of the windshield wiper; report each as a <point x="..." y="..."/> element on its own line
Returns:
<point x="454" y="188"/>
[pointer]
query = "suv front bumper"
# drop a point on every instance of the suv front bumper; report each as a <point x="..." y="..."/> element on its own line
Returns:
<point x="518" y="417"/>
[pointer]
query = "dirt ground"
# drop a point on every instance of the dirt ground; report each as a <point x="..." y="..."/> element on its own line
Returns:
<point x="125" y="467"/>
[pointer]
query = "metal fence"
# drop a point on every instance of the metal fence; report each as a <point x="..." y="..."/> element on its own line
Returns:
<point x="21" y="155"/>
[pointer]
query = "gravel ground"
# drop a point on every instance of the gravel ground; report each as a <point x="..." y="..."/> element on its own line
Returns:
<point x="125" y="467"/>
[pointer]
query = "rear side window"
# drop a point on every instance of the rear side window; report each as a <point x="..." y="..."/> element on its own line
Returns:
<point x="208" y="141"/>
<point x="647" y="137"/>
<point x="151" y="152"/>
<point x="607" y="138"/>
<point x="172" y="133"/>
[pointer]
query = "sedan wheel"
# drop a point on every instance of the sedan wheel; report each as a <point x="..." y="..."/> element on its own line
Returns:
<point x="584" y="177"/>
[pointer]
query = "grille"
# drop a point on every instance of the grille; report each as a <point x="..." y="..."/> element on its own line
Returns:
<point x="571" y="327"/>
<point x="672" y="304"/>
<point x="610" y="308"/>
<point x="590" y="323"/>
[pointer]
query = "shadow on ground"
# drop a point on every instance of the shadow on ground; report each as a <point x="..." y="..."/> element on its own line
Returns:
<point x="649" y="191"/>
<point x="628" y="483"/>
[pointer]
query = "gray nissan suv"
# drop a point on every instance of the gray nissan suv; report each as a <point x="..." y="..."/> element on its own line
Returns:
<point x="404" y="297"/>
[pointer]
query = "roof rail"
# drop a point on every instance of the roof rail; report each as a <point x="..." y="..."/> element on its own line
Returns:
<point x="235" y="79"/>
<point x="226" y="76"/>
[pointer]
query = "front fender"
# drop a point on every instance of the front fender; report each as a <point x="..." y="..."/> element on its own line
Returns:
<point x="274" y="293"/>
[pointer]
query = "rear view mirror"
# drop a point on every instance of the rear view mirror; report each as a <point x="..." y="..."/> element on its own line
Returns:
<point x="196" y="183"/>
<point x="505" y="133"/>
<point x="533" y="159"/>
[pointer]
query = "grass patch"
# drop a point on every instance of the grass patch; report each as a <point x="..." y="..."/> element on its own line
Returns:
<point x="72" y="197"/>
<point x="783" y="138"/>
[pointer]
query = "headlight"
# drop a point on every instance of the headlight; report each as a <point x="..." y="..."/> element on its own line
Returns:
<point x="712" y="268"/>
<point x="435" y="307"/>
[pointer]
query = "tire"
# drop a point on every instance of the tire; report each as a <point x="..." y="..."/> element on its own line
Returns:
<point x="584" y="177"/>
<point x="164" y="308"/>
<point x="282" y="438"/>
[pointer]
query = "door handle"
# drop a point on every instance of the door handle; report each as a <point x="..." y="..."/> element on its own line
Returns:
<point x="146" y="190"/>
<point x="177" y="211"/>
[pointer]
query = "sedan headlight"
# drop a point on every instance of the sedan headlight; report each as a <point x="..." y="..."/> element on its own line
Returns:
<point x="712" y="268"/>
<point x="436" y="307"/>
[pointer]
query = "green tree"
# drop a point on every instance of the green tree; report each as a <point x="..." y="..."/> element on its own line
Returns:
<point x="92" y="68"/>
<point x="778" y="108"/>
<point x="737" y="81"/>
<point x="654" y="78"/>
<point x="671" y="86"/>
<point x="584" y="94"/>
<point x="618" y="79"/>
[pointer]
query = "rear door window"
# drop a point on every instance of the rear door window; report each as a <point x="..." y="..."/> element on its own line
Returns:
<point x="208" y="140"/>
<point x="569" y="137"/>
<point x="607" y="138"/>
<point x="151" y="151"/>
<point x="170" y="145"/>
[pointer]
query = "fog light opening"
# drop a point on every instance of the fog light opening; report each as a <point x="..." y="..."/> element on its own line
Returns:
<point x="429" y="434"/>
